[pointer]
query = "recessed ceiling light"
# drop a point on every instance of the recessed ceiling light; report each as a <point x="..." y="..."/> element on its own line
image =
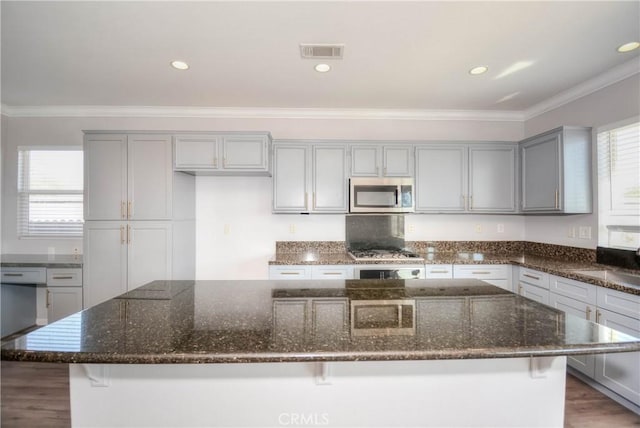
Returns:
<point x="322" y="68"/>
<point x="478" y="70"/>
<point x="180" y="65"/>
<point x="628" y="47"/>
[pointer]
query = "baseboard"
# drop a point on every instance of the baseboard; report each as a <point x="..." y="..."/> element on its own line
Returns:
<point x="603" y="389"/>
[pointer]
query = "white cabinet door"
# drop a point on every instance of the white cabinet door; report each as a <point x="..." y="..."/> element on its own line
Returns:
<point x="105" y="261"/>
<point x="541" y="173"/>
<point x="365" y="161"/>
<point x="532" y="292"/>
<point x="441" y="178"/>
<point x="492" y="179"/>
<point x="105" y="176"/>
<point x="245" y="153"/>
<point x="290" y="178"/>
<point x="196" y="151"/>
<point x="397" y="161"/>
<point x="149" y="177"/>
<point x="620" y="372"/>
<point x="149" y="252"/>
<point x="329" y="179"/>
<point x="582" y="363"/>
<point x="63" y="301"/>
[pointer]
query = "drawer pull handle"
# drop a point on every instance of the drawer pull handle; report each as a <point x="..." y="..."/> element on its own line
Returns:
<point x="332" y="273"/>
<point x="62" y="277"/>
<point x="13" y="274"/>
<point x="439" y="271"/>
<point x="48" y="300"/>
<point x="480" y="272"/>
<point x="531" y="276"/>
<point x="588" y="313"/>
<point x="598" y="314"/>
<point x="289" y="273"/>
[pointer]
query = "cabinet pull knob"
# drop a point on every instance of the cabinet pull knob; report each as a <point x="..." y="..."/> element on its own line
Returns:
<point x="13" y="274"/>
<point x="531" y="276"/>
<point x="588" y="311"/>
<point x="61" y="277"/>
<point x="121" y="235"/>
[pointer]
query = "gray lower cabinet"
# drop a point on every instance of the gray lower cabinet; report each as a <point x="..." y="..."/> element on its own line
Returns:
<point x="64" y="293"/>
<point x="466" y="178"/>
<point x="556" y="171"/>
<point x="300" y="320"/>
<point x="309" y="178"/>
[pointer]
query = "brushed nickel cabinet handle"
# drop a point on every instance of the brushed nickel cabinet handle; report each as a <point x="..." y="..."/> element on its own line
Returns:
<point x="588" y="311"/>
<point x="121" y="235"/>
<point x="61" y="277"/>
<point x="13" y="274"/>
<point x="306" y="201"/>
<point x="129" y="209"/>
<point x="519" y="288"/>
<point x="332" y="273"/>
<point x="470" y="202"/>
<point x="289" y="273"/>
<point x="481" y="272"/>
<point x="123" y="209"/>
<point x="439" y="271"/>
<point x="314" y="201"/>
<point x="463" y="199"/>
<point x="557" y="195"/>
<point x="531" y="276"/>
<point x="598" y="314"/>
<point x="128" y="234"/>
<point x="48" y="299"/>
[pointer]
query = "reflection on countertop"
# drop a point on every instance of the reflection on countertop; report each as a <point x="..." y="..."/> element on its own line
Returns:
<point x="275" y="321"/>
<point x="68" y="261"/>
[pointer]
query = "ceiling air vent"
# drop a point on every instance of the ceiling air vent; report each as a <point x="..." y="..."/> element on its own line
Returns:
<point x="321" y="51"/>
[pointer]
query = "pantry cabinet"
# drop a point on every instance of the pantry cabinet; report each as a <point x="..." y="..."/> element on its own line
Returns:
<point x="466" y="178"/>
<point x="381" y="160"/>
<point x="222" y="154"/>
<point x="556" y="172"/>
<point x="310" y="178"/>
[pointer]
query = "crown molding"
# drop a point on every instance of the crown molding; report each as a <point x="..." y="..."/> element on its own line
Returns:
<point x="262" y="113"/>
<point x="609" y="77"/>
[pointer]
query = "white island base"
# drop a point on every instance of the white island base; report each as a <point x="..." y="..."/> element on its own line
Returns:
<point x="506" y="392"/>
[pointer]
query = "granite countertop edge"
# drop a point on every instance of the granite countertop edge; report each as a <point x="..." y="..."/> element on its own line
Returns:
<point x="273" y="357"/>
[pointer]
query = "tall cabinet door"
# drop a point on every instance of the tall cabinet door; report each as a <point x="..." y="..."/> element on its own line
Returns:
<point x="492" y="178"/>
<point x="149" y="177"/>
<point x="441" y="178"/>
<point x="541" y="174"/>
<point x="105" y="176"/>
<point x="329" y="179"/>
<point x="290" y="178"/>
<point x="149" y="252"/>
<point x="105" y="261"/>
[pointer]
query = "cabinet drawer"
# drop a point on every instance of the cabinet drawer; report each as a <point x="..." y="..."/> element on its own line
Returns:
<point x="618" y="302"/>
<point x="64" y="277"/>
<point x="24" y="275"/>
<point x="530" y="276"/>
<point x="289" y="272"/>
<point x="481" y="271"/>
<point x="332" y="272"/>
<point x="574" y="289"/>
<point x="438" y="271"/>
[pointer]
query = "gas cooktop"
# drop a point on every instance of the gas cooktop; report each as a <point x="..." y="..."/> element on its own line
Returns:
<point x="383" y="254"/>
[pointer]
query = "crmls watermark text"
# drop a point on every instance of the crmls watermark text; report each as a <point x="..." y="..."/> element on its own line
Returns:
<point x="302" y="419"/>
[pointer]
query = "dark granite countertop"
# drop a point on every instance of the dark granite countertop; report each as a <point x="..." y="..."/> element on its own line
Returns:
<point x="66" y="261"/>
<point x="279" y="321"/>
<point x="556" y="266"/>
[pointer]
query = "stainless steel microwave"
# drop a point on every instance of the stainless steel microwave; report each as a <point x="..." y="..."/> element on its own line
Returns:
<point x="381" y="195"/>
<point x="383" y="317"/>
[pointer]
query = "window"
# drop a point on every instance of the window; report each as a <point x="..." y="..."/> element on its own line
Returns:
<point x="50" y="184"/>
<point x="619" y="185"/>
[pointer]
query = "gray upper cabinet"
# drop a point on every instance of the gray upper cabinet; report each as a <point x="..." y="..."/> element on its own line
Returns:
<point x="309" y="178"/>
<point x="222" y="154"/>
<point x="381" y="160"/>
<point x="474" y="177"/>
<point x="556" y="171"/>
<point x="441" y="176"/>
<point x="492" y="178"/>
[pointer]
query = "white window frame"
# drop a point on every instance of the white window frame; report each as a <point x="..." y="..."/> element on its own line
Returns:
<point x="22" y="206"/>
<point x="611" y="220"/>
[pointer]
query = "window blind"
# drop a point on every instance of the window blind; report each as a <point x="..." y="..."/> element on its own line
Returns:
<point x="50" y="186"/>
<point x="619" y="186"/>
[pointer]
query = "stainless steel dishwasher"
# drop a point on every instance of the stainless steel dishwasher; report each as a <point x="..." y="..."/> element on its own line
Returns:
<point x="18" y="301"/>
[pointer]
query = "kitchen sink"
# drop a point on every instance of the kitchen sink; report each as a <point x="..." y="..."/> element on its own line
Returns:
<point x="612" y="276"/>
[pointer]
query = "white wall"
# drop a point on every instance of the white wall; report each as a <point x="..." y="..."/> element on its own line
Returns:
<point x="608" y="105"/>
<point x="245" y="203"/>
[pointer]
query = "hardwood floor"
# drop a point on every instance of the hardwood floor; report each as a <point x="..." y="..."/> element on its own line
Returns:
<point x="37" y="395"/>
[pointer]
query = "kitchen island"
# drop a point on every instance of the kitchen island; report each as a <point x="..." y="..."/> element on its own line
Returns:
<point x="330" y="353"/>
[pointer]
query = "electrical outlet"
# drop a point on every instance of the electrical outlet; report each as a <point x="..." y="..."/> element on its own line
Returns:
<point x="292" y="228"/>
<point x="500" y="228"/>
<point x="571" y="233"/>
<point x="478" y="228"/>
<point x="412" y="228"/>
<point x="584" y="232"/>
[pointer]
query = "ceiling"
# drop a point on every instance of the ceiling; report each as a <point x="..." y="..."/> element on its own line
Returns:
<point x="398" y="55"/>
